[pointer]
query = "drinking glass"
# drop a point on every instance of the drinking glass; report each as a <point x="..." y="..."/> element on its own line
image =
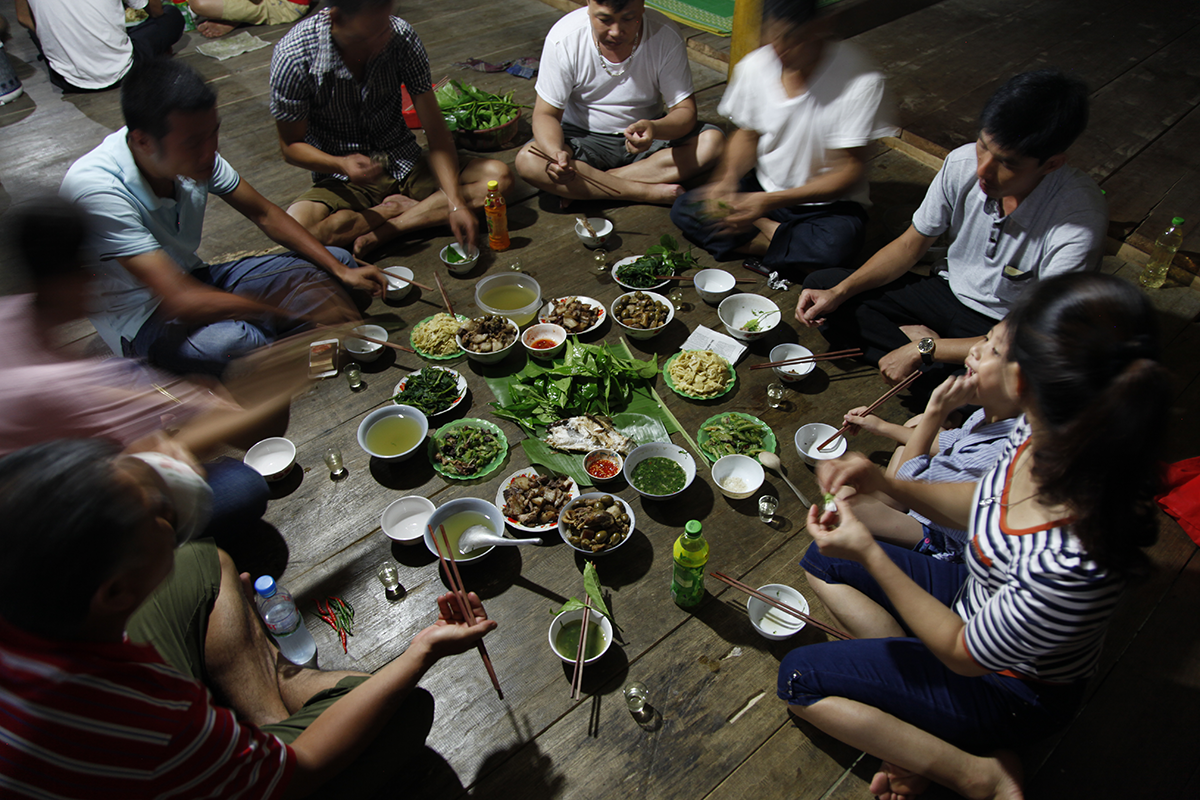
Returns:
<point x="353" y="373"/>
<point x="676" y="297"/>
<point x="635" y="697"/>
<point x="389" y="576"/>
<point x="515" y="266"/>
<point x="600" y="256"/>
<point x="775" y="393"/>
<point x="766" y="507"/>
<point x="333" y="460"/>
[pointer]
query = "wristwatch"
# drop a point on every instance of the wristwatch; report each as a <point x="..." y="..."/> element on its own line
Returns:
<point x="926" y="347"/>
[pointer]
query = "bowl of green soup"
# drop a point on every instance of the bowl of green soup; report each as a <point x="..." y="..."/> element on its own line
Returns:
<point x="565" y="630"/>
<point x="659" y="469"/>
<point x="392" y="433"/>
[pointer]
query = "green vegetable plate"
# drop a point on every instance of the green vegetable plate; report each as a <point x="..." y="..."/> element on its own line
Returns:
<point x="671" y="383"/>
<point x="479" y="424"/>
<point x="766" y="442"/>
<point x="432" y="357"/>
<point x="459" y="379"/>
<point x="629" y="287"/>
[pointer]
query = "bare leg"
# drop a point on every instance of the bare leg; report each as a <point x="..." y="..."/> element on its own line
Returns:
<point x="910" y="753"/>
<point x="674" y="164"/>
<point x="855" y="613"/>
<point x="435" y="209"/>
<point x="341" y="228"/>
<point x="214" y="12"/>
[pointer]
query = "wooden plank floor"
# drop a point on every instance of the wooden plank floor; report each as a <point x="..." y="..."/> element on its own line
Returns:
<point x="722" y="734"/>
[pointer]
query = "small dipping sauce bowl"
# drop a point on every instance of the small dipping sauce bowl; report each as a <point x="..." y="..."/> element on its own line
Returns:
<point x="603" y="465"/>
<point x="544" y="340"/>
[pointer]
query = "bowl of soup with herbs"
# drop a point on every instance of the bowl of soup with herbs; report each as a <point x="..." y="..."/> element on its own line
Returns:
<point x="565" y="632"/>
<point x="659" y="469"/>
<point x="392" y="433"/>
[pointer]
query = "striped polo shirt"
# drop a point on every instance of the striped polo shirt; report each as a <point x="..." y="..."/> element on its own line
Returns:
<point x="111" y="720"/>
<point x="1035" y="603"/>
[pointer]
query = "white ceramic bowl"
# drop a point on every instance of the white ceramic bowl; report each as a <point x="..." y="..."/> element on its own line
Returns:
<point x="713" y="285"/>
<point x="522" y="315"/>
<point x="660" y="450"/>
<point x="739" y="309"/>
<point x="446" y="511"/>
<point x="462" y="267"/>
<point x="601" y="226"/>
<point x="404" y="520"/>
<point x="544" y="331"/>
<point x="811" y="435"/>
<point x="736" y="468"/>
<point x="596" y="618"/>
<point x="392" y="411"/>
<point x="362" y="350"/>
<point x="792" y="372"/>
<point x="273" y="458"/>
<point x="398" y="289"/>
<point x="770" y="622"/>
<point x="496" y="355"/>
<point x="562" y="526"/>
<point x="643" y="333"/>
<point x="595" y="456"/>
<point x="626" y="286"/>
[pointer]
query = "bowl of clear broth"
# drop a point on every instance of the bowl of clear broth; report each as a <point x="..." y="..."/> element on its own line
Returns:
<point x="392" y="433"/>
<point x="458" y="515"/>
<point x="565" y="631"/>
<point x="659" y="470"/>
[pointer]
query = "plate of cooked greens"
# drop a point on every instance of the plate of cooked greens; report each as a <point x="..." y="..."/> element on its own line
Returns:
<point x="637" y="273"/>
<point x="734" y="433"/>
<point x="699" y="374"/>
<point x="466" y="449"/>
<point x="432" y="390"/>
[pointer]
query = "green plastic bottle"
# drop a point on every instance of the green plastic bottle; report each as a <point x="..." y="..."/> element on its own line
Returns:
<point x="687" y="577"/>
<point x="1154" y="275"/>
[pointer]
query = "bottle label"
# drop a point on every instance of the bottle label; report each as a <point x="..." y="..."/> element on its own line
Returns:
<point x="687" y="585"/>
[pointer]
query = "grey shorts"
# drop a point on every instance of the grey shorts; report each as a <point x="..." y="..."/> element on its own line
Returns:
<point x="607" y="150"/>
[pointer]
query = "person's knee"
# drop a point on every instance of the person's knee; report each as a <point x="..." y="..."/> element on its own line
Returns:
<point x="499" y="172"/>
<point x="710" y="147"/>
<point x="529" y="166"/>
<point x="220" y="343"/>
<point x="343" y="255"/>
<point x="173" y="21"/>
<point x="825" y="278"/>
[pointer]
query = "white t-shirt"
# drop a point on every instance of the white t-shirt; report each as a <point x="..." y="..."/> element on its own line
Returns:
<point x="85" y="42"/>
<point x="843" y="107"/>
<point x="570" y="76"/>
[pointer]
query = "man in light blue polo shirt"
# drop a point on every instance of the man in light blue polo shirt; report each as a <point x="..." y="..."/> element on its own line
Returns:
<point x="146" y="187"/>
<point x="1014" y="213"/>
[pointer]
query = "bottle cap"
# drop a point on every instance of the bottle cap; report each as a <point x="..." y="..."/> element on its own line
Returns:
<point x="1177" y="221"/>
<point x="693" y="527"/>
<point x="265" y="586"/>
<point x="493" y="185"/>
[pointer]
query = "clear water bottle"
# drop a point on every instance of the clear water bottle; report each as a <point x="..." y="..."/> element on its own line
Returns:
<point x="284" y="621"/>
<point x="1155" y="273"/>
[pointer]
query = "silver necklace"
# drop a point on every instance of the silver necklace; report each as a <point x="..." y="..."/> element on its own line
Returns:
<point x="612" y="73"/>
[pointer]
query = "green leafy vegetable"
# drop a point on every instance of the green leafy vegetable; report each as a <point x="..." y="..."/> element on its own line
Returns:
<point x="591" y="585"/>
<point x="592" y="379"/>
<point x="431" y="391"/>
<point x="469" y="109"/>
<point x="752" y="325"/>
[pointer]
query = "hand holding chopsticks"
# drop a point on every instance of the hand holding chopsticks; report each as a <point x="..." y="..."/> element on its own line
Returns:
<point x="610" y="191"/>
<point x="830" y="356"/>
<point x="784" y="607"/>
<point x="450" y="566"/>
<point x="895" y="390"/>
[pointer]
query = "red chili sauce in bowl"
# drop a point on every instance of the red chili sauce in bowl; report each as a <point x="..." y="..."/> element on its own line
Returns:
<point x="543" y="344"/>
<point x="603" y="468"/>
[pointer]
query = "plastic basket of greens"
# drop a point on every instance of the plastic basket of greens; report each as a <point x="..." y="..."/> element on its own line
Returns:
<point x="479" y="120"/>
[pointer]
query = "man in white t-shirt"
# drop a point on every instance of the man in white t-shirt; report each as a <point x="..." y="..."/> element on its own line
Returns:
<point x="791" y="191"/>
<point x="87" y="46"/>
<point x="606" y="73"/>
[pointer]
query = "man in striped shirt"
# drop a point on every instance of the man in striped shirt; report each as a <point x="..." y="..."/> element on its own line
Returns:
<point x="109" y="637"/>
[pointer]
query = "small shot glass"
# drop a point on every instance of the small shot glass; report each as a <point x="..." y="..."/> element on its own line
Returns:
<point x="635" y="698"/>
<point x="333" y="460"/>
<point x="775" y="392"/>
<point x="766" y="507"/>
<point x="353" y="373"/>
<point x="600" y="256"/>
<point x="389" y="576"/>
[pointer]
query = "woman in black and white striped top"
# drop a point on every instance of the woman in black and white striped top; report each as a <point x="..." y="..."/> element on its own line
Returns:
<point x="954" y="662"/>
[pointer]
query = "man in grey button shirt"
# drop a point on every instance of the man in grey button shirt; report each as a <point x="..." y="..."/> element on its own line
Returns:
<point x="1014" y="213"/>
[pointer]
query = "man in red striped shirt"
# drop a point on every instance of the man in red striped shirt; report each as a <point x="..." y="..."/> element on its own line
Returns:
<point x="90" y="570"/>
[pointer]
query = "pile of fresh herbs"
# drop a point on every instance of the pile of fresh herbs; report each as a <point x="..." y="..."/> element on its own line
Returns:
<point x="592" y="379"/>
<point x="664" y="258"/>
<point x="469" y="109"/>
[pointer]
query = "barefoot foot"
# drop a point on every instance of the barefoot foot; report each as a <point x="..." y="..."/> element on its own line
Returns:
<point x="897" y="783"/>
<point x="663" y="194"/>
<point x="394" y="205"/>
<point x="365" y="244"/>
<point x="213" y="29"/>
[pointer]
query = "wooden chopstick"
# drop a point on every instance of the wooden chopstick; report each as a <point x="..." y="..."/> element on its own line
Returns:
<point x="581" y="654"/>
<point x="601" y="186"/>
<point x="830" y="356"/>
<point x="408" y="280"/>
<point x="383" y="342"/>
<point x="899" y="387"/>
<point x="445" y="298"/>
<point x="686" y="278"/>
<point x="460" y="594"/>
<point x="587" y="226"/>
<point x="771" y="601"/>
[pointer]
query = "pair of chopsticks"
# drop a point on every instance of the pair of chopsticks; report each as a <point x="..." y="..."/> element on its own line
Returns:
<point x="610" y="191"/>
<point x="784" y="607"/>
<point x="383" y="342"/>
<point x="830" y="356"/>
<point x="685" y="278"/>
<point x="460" y="593"/>
<point x="362" y="263"/>
<point x="895" y="390"/>
<point x="581" y="656"/>
<point x="445" y="297"/>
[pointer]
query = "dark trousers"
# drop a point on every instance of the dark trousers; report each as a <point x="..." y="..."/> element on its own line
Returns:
<point x="808" y="237"/>
<point x="872" y="320"/>
<point x="150" y="39"/>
